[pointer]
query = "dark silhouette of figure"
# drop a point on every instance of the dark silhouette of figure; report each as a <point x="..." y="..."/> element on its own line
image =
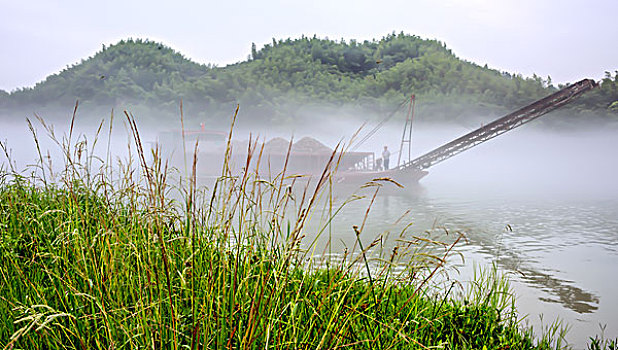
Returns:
<point x="386" y="154"/>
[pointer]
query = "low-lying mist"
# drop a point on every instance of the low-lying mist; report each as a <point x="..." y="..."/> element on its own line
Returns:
<point x="562" y="249"/>
<point x="530" y="159"/>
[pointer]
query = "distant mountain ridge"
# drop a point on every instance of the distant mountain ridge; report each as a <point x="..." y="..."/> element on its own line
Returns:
<point x="151" y="78"/>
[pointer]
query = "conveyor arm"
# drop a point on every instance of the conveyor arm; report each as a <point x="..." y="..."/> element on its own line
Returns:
<point x="502" y="125"/>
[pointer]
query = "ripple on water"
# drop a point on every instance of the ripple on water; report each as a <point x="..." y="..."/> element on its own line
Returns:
<point x="558" y="251"/>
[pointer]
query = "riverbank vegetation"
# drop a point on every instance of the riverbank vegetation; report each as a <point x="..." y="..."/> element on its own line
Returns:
<point x="95" y="257"/>
<point x="292" y="79"/>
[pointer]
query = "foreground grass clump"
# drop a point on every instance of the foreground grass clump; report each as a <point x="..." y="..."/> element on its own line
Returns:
<point x="80" y="272"/>
<point x="108" y="262"/>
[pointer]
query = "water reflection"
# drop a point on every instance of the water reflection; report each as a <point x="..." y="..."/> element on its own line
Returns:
<point x="557" y="249"/>
<point x="516" y="252"/>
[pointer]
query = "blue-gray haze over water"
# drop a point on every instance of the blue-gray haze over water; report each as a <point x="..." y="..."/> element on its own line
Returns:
<point x="542" y="205"/>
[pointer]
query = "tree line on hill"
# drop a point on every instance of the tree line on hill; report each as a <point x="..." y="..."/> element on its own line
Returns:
<point x="150" y="79"/>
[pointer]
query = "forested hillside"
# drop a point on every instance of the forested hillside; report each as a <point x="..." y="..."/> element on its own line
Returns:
<point x="150" y="79"/>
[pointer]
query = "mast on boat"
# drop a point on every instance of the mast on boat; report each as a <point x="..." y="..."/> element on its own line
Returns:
<point x="407" y="127"/>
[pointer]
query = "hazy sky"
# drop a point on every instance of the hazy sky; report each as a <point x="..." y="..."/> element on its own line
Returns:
<point x="565" y="39"/>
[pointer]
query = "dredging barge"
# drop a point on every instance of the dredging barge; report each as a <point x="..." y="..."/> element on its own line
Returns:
<point x="308" y="157"/>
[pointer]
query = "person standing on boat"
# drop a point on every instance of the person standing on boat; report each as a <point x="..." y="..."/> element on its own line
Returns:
<point x="386" y="154"/>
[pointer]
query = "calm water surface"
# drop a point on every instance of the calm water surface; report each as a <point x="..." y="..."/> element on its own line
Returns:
<point x="543" y="207"/>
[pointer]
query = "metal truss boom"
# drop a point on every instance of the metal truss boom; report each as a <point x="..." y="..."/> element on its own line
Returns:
<point x="501" y="125"/>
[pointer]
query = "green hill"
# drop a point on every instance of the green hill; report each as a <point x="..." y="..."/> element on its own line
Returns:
<point x="150" y="79"/>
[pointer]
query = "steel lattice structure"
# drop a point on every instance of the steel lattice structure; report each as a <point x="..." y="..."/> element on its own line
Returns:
<point x="501" y="125"/>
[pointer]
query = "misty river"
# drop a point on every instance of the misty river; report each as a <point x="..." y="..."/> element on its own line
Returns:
<point x="542" y="205"/>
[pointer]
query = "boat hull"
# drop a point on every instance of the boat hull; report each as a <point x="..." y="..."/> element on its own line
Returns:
<point x="403" y="177"/>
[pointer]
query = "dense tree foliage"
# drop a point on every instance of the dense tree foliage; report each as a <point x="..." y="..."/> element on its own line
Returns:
<point x="150" y="78"/>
